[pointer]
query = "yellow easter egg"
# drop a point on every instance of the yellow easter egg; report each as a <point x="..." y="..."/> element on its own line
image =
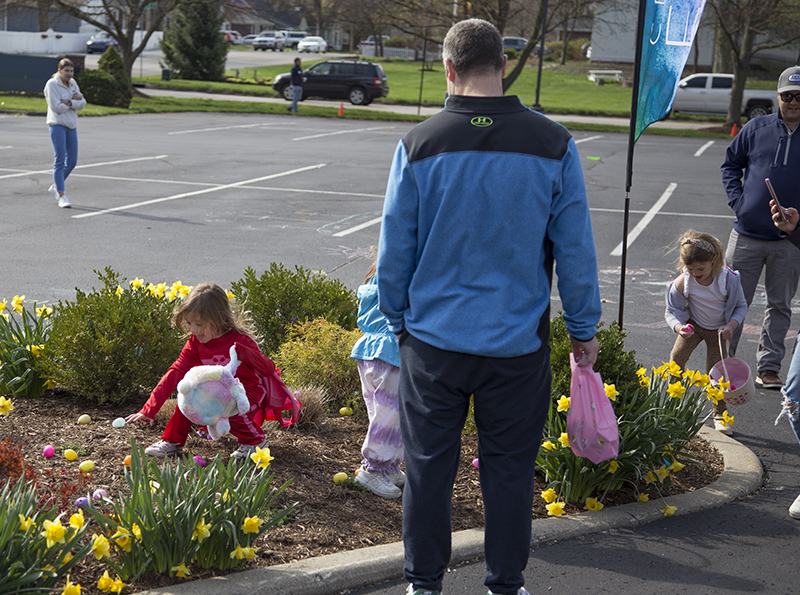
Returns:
<point x="340" y="477"/>
<point x="86" y="466"/>
<point x="347" y="411"/>
<point x="84" y="419"/>
<point x="70" y="454"/>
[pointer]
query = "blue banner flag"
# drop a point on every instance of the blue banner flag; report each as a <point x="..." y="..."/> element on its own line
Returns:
<point x="668" y="34"/>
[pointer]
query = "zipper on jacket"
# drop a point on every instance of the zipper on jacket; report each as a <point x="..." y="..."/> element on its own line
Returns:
<point x="778" y="151"/>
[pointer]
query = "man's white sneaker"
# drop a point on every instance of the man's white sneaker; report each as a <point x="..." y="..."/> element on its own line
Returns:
<point x="63" y="202"/>
<point x="377" y="483"/>
<point x="52" y="190"/>
<point x="794" y="509"/>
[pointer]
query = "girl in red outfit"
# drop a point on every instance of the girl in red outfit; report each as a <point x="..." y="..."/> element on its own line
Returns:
<point x="214" y="327"/>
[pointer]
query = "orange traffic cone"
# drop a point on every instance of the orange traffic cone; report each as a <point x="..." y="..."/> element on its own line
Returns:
<point x="341" y="108"/>
<point x="733" y="130"/>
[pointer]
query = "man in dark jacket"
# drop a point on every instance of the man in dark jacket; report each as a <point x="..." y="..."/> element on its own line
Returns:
<point x="297" y="85"/>
<point x="764" y="149"/>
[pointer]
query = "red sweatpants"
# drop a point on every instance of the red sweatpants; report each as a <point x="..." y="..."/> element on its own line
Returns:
<point x="242" y="426"/>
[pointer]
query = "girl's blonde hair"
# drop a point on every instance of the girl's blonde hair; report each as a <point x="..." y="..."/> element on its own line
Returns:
<point x="373" y="269"/>
<point x="211" y="303"/>
<point x="695" y="246"/>
<point x="65" y="62"/>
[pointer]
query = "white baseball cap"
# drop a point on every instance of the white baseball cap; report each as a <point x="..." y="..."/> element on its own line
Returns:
<point x="789" y="80"/>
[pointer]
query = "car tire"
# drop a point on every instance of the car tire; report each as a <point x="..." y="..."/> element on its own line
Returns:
<point x="759" y="109"/>
<point x="357" y="96"/>
<point x="286" y="92"/>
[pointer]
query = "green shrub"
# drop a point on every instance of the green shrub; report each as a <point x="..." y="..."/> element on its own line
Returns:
<point x="281" y="297"/>
<point x="112" y="344"/>
<point x="98" y="87"/>
<point x="318" y="353"/>
<point x="21" y="345"/>
<point x="512" y="53"/>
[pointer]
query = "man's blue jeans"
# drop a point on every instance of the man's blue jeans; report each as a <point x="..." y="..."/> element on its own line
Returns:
<point x="65" y="150"/>
<point x="791" y="393"/>
<point x="297" y="93"/>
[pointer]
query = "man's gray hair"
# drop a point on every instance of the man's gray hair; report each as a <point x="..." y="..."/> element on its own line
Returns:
<point x="474" y="45"/>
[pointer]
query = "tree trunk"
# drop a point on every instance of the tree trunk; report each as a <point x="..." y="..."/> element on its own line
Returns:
<point x="42" y="14"/>
<point x="741" y="70"/>
<point x="523" y="57"/>
<point x="722" y="52"/>
<point x="564" y="41"/>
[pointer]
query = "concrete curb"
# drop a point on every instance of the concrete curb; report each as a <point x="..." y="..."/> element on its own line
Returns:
<point x="367" y="566"/>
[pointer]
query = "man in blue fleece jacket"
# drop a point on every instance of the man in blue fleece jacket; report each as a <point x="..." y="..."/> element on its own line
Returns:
<point x="765" y="149"/>
<point x="482" y="198"/>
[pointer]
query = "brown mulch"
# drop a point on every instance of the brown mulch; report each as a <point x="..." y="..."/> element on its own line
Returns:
<point x="330" y="518"/>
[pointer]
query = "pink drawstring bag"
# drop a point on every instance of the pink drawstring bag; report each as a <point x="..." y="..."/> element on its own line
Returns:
<point x="591" y="423"/>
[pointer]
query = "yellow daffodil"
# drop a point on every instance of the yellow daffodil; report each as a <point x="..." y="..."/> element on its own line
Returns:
<point x="644" y="498"/>
<point x="137" y="532"/>
<point x="151" y="289"/>
<point x="549" y="495"/>
<point x="54" y="532"/>
<point x="676" y="466"/>
<point x="6" y="406"/>
<point x="261" y="457"/>
<point x="676" y="390"/>
<point x="160" y="289"/>
<point x="35" y="349"/>
<point x="202" y="531"/>
<point x="669" y="510"/>
<point x="714" y="393"/>
<point x="70" y="588"/>
<point x="563" y="403"/>
<point x="117" y="586"/>
<point x="137" y="283"/>
<point x="555" y="509"/>
<point x="612" y="467"/>
<point x="251" y="524"/>
<point x="548" y="445"/>
<point x="660" y="370"/>
<point x="649" y="478"/>
<point x="250" y="552"/>
<point x="239" y="553"/>
<point x="662" y="472"/>
<point x="50" y="383"/>
<point x="122" y="539"/>
<point x="4" y="305"/>
<point x="16" y="303"/>
<point x="230" y="295"/>
<point x="76" y="521"/>
<point x="67" y="557"/>
<point x="171" y="294"/>
<point x="642" y="374"/>
<point x="154" y="485"/>
<point x="727" y="419"/>
<point x="180" y="570"/>
<point x="119" y="291"/>
<point x="593" y="504"/>
<point x="25" y="523"/>
<point x="564" y="440"/>
<point x="611" y="391"/>
<point x="100" y="546"/>
<point x="108" y="585"/>
<point x="43" y="311"/>
<point x="674" y="369"/>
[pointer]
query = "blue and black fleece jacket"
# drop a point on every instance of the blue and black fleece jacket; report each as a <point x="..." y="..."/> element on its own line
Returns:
<point x="481" y="199"/>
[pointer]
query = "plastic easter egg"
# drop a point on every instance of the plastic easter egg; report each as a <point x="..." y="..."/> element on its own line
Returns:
<point x="688" y="329"/>
<point x="119" y="422"/>
<point x="346" y="411"/>
<point x="48" y="451"/>
<point x="340" y="477"/>
<point x="127" y="460"/>
<point x="85" y="419"/>
<point x="99" y="494"/>
<point x="476" y="463"/>
<point x="200" y="461"/>
<point x="70" y="454"/>
<point x="86" y="466"/>
<point x="82" y="502"/>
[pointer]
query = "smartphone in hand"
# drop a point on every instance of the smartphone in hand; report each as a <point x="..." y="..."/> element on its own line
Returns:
<point x="775" y="198"/>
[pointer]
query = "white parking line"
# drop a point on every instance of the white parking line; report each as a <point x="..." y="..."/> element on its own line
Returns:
<point x="345" y="132"/>
<point x="193" y="130"/>
<point x="587" y="139"/>
<point x="198" y="192"/>
<point x="646" y="219"/>
<point x="702" y="149"/>
<point x="85" y="166"/>
<point x="347" y="232"/>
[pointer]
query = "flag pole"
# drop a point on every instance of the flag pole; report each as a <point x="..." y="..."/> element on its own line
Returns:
<point x="629" y="169"/>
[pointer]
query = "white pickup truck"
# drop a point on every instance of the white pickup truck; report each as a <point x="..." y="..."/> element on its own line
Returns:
<point x="711" y="94"/>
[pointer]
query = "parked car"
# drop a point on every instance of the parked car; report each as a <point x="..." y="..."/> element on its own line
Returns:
<point x="233" y="37"/>
<point x="99" y="42"/>
<point x="357" y="81"/>
<point x="711" y="94"/>
<point x="293" y="38"/>
<point x="312" y="44"/>
<point x="248" y="39"/>
<point x="514" y="43"/>
<point x="269" y="40"/>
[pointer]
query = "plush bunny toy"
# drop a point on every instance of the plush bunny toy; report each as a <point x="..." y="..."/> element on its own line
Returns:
<point x="209" y="395"/>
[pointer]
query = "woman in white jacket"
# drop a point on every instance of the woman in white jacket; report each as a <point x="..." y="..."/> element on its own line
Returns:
<point x="64" y="99"/>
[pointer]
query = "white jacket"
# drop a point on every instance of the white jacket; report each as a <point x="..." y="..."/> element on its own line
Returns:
<point x="62" y="113"/>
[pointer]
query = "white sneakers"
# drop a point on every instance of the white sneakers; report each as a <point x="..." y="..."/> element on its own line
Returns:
<point x="63" y="201"/>
<point x="794" y="509"/>
<point x="378" y="483"/>
<point x="721" y="427"/>
<point x="162" y="449"/>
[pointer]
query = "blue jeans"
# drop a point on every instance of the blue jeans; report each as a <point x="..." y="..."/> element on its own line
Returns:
<point x="65" y="149"/>
<point x="297" y="93"/>
<point x="791" y="394"/>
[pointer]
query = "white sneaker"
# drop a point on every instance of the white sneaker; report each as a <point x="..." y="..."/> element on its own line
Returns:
<point x="63" y="202"/>
<point x="52" y="190"/>
<point x="794" y="509"/>
<point x="398" y="479"/>
<point x="245" y="450"/>
<point x="520" y="591"/>
<point x="721" y="427"/>
<point x="377" y="483"/>
<point x="162" y="449"/>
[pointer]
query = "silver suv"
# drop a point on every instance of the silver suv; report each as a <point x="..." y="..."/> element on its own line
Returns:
<point x="269" y="40"/>
<point x="293" y="38"/>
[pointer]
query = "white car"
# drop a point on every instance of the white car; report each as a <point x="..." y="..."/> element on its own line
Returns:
<point x="312" y="44"/>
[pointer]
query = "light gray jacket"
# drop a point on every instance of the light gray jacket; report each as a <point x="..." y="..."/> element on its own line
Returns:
<point x="735" y="305"/>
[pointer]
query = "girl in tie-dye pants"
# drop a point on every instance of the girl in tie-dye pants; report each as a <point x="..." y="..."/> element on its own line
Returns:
<point x="378" y="358"/>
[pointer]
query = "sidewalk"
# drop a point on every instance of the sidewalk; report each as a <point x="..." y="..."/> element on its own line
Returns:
<point x="359" y="568"/>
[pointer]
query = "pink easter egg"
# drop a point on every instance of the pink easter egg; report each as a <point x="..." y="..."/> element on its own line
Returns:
<point x="99" y="494"/>
<point x="48" y="451"/>
<point x="200" y="461"/>
<point x="475" y="463"/>
<point x="688" y="329"/>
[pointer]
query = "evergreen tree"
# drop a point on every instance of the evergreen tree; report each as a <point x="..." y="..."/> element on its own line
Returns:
<point x="111" y="63"/>
<point x="193" y="46"/>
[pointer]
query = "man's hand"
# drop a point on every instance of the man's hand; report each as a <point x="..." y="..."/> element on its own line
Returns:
<point x="138" y="417"/>
<point x="790" y="218"/>
<point x="585" y="352"/>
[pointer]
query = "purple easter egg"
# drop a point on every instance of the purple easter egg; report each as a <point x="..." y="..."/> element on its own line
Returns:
<point x="475" y="463"/>
<point x="200" y="461"/>
<point x="48" y="451"/>
<point x="99" y="494"/>
<point x="82" y="502"/>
